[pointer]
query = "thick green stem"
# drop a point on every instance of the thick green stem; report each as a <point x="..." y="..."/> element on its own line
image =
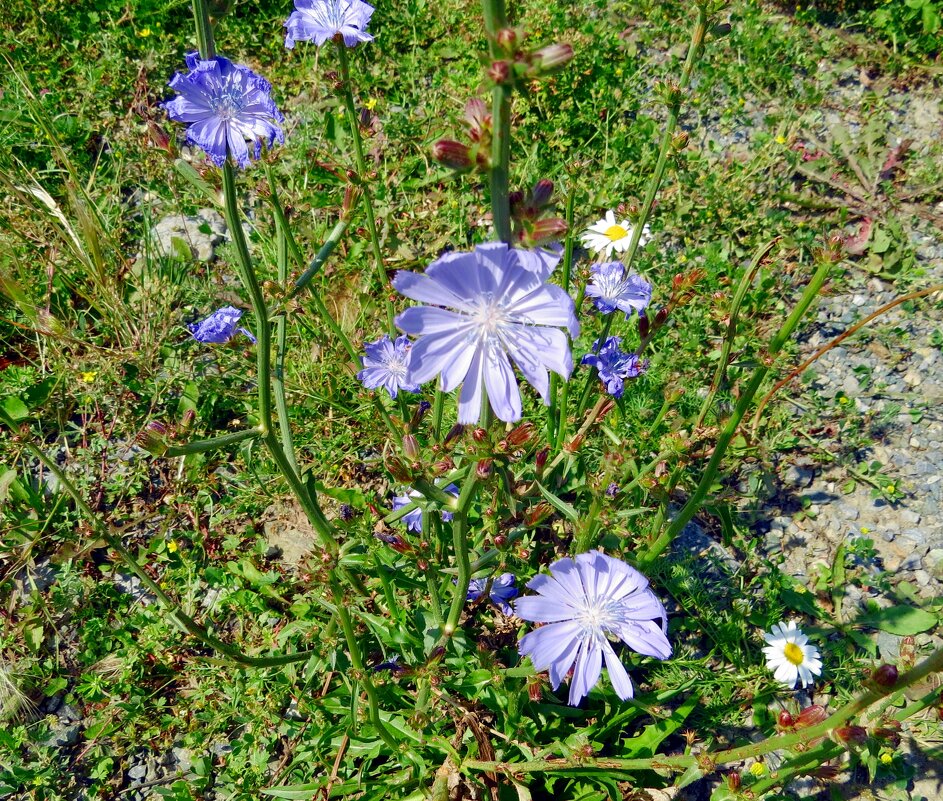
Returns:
<point x="204" y="30"/>
<point x="281" y="336"/>
<point x="495" y="16"/>
<point x="460" y="544"/>
<point x="353" y="123"/>
<point x="711" y="761"/>
<point x="730" y="429"/>
<point x="204" y="445"/>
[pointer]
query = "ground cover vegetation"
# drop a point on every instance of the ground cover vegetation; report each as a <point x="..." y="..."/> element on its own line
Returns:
<point x="249" y="549"/>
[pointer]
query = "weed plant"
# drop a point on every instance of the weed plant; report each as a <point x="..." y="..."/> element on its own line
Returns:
<point x="232" y="548"/>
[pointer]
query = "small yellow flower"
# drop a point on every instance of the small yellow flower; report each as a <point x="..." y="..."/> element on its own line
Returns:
<point x="758" y="769"/>
<point x="370" y="103"/>
<point x="144" y="33"/>
<point x="843" y="400"/>
<point x="887" y="757"/>
<point x="88" y="377"/>
<point x="865" y="530"/>
<point x="780" y="140"/>
<point x="890" y="488"/>
<point x="172" y="546"/>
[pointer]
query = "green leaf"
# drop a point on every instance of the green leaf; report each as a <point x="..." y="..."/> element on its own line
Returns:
<point x="646" y="744"/>
<point x="900" y="620"/>
<point x="299" y="792"/>
<point x="560" y="505"/>
<point x="13" y="409"/>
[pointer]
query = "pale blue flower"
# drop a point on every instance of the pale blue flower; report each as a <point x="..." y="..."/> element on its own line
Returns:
<point x="614" y="365"/>
<point x="612" y="289"/>
<point x="502" y="591"/>
<point x="219" y="327"/>
<point x="386" y="364"/>
<point x="225" y="104"/>
<point x="585" y="601"/>
<point x="319" y="20"/>
<point x="413" y="519"/>
<point x="486" y="306"/>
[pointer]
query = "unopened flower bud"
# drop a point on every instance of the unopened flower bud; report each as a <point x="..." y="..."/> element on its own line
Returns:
<point x="607" y="407"/>
<point x="890" y="734"/>
<point x="541" y="459"/>
<point x="786" y="720"/>
<point x="643" y="325"/>
<point x="546" y="231"/>
<point x="499" y="71"/>
<point x="537" y="514"/>
<point x="535" y="688"/>
<point x="351" y="197"/>
<point x="452" y="154"/>
<point x="399" y="469"/>
<point x="396" y="542"/>
<point x="483" y="469"/>
<point x="679" y="141"/>
<point x="885" y="676"/>
<point x="810" y="716"/>
<point x="479" y="435"/>
<point x="454" y="433"/>
<point x="477" y="118"/>
<point x="436" y="656"/>
<point x="500" y="541"/>
<point x="520" y="435"/>
<point x="733" y="781"/>
<point x="186" y="421"/>
<point x="154" y="438"/>
<point x="574" y="444"/>
<point x="411" y="446"/>
<point x="661" y="317"/>
<point x="443" y="466"/>
<point x="507" y="39"/>
<point x="542" y="192"/>
<point x="551" y="58"/>
<point x="851" y="735"/>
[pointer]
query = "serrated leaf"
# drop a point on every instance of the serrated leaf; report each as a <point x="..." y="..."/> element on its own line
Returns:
<point x="901" y="620"/>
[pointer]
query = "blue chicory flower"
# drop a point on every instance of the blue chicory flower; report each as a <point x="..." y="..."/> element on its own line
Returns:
<point x="319" y="20"/>
<point x="614" y="365"/>
<point x="219" y="327"/>
<point x="386" y="364"/>
<point x="486" y="306"/>
<point x="502" y="591"/>
<point x="225" y="104"/>
<point x="413" y="519"/>
<point x="612" y="289"/>
<point x="583" y="601"/>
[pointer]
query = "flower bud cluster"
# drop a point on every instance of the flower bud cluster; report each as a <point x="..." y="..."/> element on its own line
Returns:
<point x="528" y="208"/>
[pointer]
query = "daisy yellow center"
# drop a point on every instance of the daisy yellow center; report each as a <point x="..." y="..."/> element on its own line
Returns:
<point x="616" y="232"/>
<point x="794" y="653"/>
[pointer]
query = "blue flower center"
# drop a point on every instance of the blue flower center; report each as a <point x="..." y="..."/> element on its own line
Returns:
<point x="227" y="105"/>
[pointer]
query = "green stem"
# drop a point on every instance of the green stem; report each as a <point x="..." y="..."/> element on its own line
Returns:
<point x="674" y="111"/>
<point x="711" y="761"/>
<point x="730" y="429"/>
<point x="495" y="16"/>
<point x="354" y="124"/>
<point x="281" y="336"/>
<point x="460" y="544"/>
<point x="204" y="445"/>
<point x="745" y="283"/>
<point x="356" y="661"/>
<point x="204" y="30"/>
<point x="591" y="372"/>
<point x="318" y="261"/>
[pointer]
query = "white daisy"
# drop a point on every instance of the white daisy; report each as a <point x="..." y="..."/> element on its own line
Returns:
<point x="607" y="235"/>
<point x="789" y="655"/>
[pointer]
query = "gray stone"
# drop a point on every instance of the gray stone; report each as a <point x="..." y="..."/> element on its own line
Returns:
<point x="138" y="772"/>
<point x="198" y="235"/>
<point x="62" y="736"/>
